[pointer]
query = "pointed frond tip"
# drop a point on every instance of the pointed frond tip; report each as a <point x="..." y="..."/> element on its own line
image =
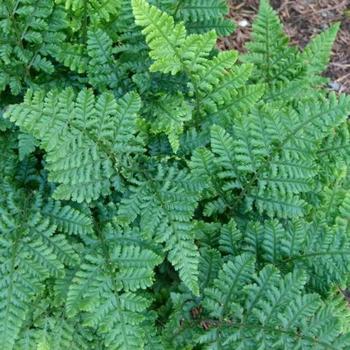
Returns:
<point x="171" y="49"/>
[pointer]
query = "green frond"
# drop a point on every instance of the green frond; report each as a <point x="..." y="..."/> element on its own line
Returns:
<point x="53" y="333"/>
<point x="102" y="70"/>
<point x="230" y="235"/>
<point x="84" y="137"/>
<point x="280" y="312"/>
<point x="319" y="249"/>
<point x="317" y="118"/>
<point x="196" y="10"/>
<point x="249" y="150"/>
<point x="184" y="255"/>
<point x="221" y="299"/>
<point x="293" y="239"/>
<point x="237" y="102"/>
<point x="135" y="267"/>
<point x="73" y="56"/>
<point x="86" y="281"/>
<point x="209" y="266"/>
<point x="273" y="236"/>
<point x="202" y="16"/>
<point x="269" y="48"/>
<point x="334" y="150"/>
<point x="165" y="206"/>
<point x="215" y="70"/>
<point x="222" y="145"/>
<point x="253" y="237"/>
<point x="192" y="139"/>
<point x="112" y="272"/>
<point x="298" y="309"/>
<point x="26" y="145"/>
<point x="222" y="26"/>
<point x="199" y="16"/>
<point x="283" y="205"/>
<point x="289" y="288"/>
<point x="30" y="252"/>
<point x="343" y="219"/>
<point x="264" y="284"/>
<point x="171" y="49"/>
<point x="203" y="167"/>
<point x="17" y="289"/>
<point x="152" y="340"/>
<point x="170" y="112"/>
<point x="68" y="219"/>
<point x="30" y="33"/>
<point x="325" y="255"/>
<point x="97" y="10"/>
<point x="220" y="81"/>
<point x="316" y="54"/>
<point x="284" y="164"/>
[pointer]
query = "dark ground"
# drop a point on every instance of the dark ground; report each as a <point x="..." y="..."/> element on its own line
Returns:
<point x="302" y="19"/>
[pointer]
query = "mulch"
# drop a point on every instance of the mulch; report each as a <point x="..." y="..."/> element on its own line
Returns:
<point x="302" y="20"/>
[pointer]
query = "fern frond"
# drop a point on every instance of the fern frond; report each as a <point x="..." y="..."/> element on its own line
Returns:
<point x="278" y="308"/>
<point x="165" y="206"/>
<point x="30" y="252"/>
<point x="73" y="56"/>
<point x="273" y="235"/>
<point x="26" y="145"/>
<point x="111" y="272"/>
<point x="31" y="31"/>
<point x="171" y="48"/>
<point x="170" y="113"/>
<point x="196" y="10"/>
<point x="230" y="235"/>
<point x="319" y="249"/>
<point x="222" y="298"/>
<point x="343" y="219"/>
<point x="215" y="70"/>
<point x="316" y="54"/>
<point x="102" y="70"/>
<point x="222" y="26"/>
<point x="202" y="16"/>
<point x="325" y="253"/>
<point x="97" y="10"/>
<point x="17" y="289"/>
<point x="220" y="81"/>
<point x="67" y="219"/>
<point x="53" y="332"/>
<point x="83" y="137"/>
<point x="237" y="102"/>
<point x="269" y="50"/>
<point x="222" y="144"/>
<point x="335" y="148"/>
<point x="209" y="266"/>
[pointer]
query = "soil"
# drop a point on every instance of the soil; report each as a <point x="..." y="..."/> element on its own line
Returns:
<point x="302" y="20"/>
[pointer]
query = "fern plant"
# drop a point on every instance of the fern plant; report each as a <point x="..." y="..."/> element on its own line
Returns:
<point x="159" y="194"/>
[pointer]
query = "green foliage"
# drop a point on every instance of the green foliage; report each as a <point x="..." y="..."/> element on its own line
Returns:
<point x="158" y="194"/>
<point x="170" y="48"/>
<point x="84" y="138"/>
<point x="200" y="16"/>
<point x="31" y="31"/>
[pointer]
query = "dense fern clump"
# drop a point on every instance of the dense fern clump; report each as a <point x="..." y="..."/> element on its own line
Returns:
<point x="156" y="193"/>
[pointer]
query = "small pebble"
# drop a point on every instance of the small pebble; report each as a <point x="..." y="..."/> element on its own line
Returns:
<point x="334" y="86"/>
<point x="243" y="23"/>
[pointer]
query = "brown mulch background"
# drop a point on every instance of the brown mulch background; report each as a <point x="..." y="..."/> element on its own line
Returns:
<point x="302" y="19"/>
